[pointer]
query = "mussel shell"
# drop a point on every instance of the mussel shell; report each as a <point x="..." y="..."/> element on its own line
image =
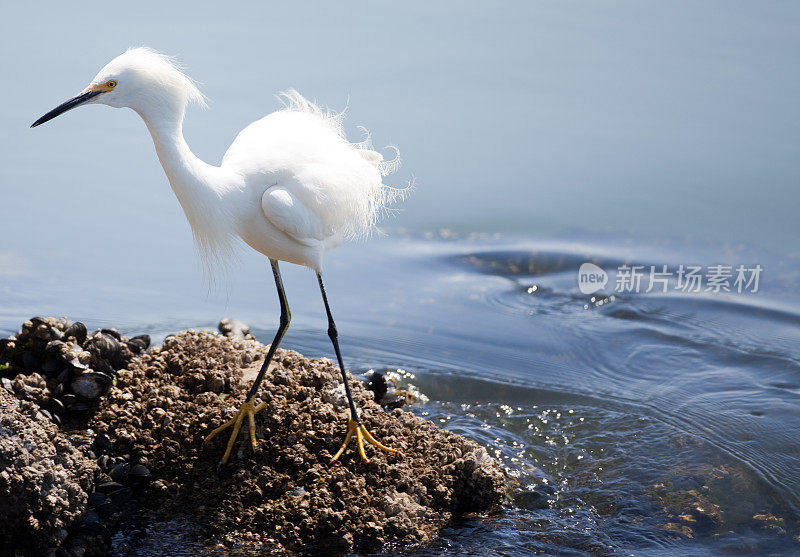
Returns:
<point x="376" y="382"/>
<point x="134" y="347"/>
<point x="139" y="472"/>
<point x="92" y="529"/>
<point x="96" y="498"/>
<point x="79" y="408"/>
<point x="107" y="509"/>
<point x="139" y="343"/>
<point x="120" y="496"/>
<point x="77" y="330"/>
<point x="91" y="384"/>
<point x="56" y="406"/>
<point x="31" y="361"/>
<point x="76" y="364"/>
<point x="119" y="473"/>
<point x="5" y="342"/>
<point x="112" y="333"/>
<point x="46" y="332"/>
<point x="51" y="365"/>
<point x="109" y="487"/>
<point x="54" y="348"/>
<point x="90" y="524"/>
<point x="36" y="321"/>
<point x="105" y="347"/>
<point x="102" y="444"/>
<point x="105" y="462"/>
<point x="143" y="338"/>
<point x="64" y="376"/>
<point x="70" y="358"/>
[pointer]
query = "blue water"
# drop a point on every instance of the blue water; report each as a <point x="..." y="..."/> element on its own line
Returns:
<point x="541" y="135"/>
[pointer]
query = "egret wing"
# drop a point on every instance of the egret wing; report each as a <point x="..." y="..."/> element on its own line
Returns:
<point x="287" y="213"/>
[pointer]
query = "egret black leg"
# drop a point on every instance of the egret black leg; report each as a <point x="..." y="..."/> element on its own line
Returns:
<point x="286" y="317"/>
<point x="248" y="408"/>
<point x="354" y="426"/>
<point x="333" y="334"/>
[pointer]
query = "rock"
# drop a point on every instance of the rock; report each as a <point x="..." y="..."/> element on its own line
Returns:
<point x="43" y="483"/>
<point x="285" y="495"/>
<point x="147" y="430"/>
<point x="32" y="387"/>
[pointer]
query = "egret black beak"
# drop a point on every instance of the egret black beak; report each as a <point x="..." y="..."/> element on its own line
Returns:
<point x="69" y="105"/>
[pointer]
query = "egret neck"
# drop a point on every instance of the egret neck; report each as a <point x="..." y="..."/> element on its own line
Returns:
<point x="200" y="187"/>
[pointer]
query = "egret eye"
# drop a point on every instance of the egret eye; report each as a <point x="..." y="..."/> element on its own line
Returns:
<point x="112" y="83"/>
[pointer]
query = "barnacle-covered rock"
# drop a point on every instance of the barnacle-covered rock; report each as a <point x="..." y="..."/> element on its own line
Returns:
<point x="44" y="480"/>
<point x="286" y="493"/>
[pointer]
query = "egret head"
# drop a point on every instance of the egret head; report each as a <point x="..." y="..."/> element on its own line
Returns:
<point x="142" y="79"/>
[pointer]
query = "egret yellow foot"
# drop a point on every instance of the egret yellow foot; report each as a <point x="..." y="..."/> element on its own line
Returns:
<point x="247" y="409"/>
<point x="357" y="429"/>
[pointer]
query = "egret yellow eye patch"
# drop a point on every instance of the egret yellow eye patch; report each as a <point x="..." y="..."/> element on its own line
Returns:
<point x="103" y="87"/>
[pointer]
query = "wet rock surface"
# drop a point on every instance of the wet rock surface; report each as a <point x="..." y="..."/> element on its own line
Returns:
<point x="285" y="493"/>
<point x="131" y="446"/>
<point x="44" y="479"/>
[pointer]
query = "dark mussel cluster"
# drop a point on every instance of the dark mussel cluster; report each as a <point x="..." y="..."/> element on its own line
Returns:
<point x="112" y="505"/>
<point x="58" y="365"/>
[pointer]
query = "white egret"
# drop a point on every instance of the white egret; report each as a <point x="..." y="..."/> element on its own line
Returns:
<point x="290" y="185"/>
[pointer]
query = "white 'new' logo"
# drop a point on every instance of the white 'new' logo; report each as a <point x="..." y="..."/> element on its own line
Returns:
<point x="591" y="278"/>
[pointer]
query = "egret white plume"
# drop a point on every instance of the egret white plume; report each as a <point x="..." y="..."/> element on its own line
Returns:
<point x="367" y="206"/>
